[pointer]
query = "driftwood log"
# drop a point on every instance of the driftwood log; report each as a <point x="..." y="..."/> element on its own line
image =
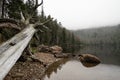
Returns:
<point x="12" y="49"/>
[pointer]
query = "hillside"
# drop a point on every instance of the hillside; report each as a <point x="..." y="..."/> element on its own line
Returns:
<point x="102" y="35"/>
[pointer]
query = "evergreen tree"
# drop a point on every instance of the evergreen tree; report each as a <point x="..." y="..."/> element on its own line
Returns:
<point x="14" y="8"/>
<point x="53" y="34"/>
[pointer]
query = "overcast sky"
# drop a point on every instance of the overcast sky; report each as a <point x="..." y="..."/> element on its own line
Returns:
<point x="80" y="14"/>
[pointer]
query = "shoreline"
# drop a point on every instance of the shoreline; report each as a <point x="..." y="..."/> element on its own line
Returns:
<point x="30" y="70"/>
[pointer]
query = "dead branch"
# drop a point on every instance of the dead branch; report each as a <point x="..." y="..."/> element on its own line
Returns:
<point x="42" y="24"/>
<point x="22" y="17"/>
<point x="9" y="20"/>
<point x="37" y="5"/>
<point x="39" y="24"/>
<point x="9" y="25"/>
<point x="36" y="36"/>
<point x="29" y="50"/>
<point x="47" y="21"/>
<point x="26" y="19"/>
<point x="40" y="30"/>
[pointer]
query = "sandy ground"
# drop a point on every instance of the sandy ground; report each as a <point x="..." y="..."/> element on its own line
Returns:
<point x="30" y="70"/>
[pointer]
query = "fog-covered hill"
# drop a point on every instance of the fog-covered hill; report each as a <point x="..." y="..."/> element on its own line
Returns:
<point x="102" y="35"/>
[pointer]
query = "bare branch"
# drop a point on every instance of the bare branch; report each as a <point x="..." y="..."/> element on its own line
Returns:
<point x="9" y="25"/>
<point x="41" y="30"/>
<point x="42" y="24"/>
<point x="47" y="21"/>
<point x="26" y="18"/>
<point x="40" y="3"/>
<point x="37" y="5"/>
<point x="9" y="20"/>
<point x="45" y="27"/>
<point x="22" y="17"/>
<point x="36" y="36"/>
<point x="39" y="23"/>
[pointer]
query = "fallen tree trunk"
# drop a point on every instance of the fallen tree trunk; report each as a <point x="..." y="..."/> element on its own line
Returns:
<point x="12" y="49"/>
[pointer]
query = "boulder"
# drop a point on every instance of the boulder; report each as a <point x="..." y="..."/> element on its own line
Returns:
<point x="86" y="64"/>
<point x="89" y="58"/>
<point x="56" y="49"/>
<point x="44" y="48"/>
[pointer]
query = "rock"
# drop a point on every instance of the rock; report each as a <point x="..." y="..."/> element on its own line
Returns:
<point x="73" y="55"/>
<point x="86" y="64"/>
<point x="62" y="55"/>
<point x="43" y="48"/>
<point x="18" y="75"/>
<point x="29" y="59"/>
<point x="89" y="58"/>
<point x="56" y="49"/>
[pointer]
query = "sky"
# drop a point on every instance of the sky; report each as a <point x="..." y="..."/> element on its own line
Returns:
<point x="82" y="14"/>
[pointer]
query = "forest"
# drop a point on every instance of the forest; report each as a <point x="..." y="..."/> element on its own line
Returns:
<point x="108" y="35"/>
<point x="52" y="33"/>
<point x="36" y="46"/>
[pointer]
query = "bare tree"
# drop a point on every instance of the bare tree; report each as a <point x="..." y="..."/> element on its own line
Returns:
<point x="26" y="19"/>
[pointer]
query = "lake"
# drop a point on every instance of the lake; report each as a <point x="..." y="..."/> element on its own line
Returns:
<point x="73" y="69"/>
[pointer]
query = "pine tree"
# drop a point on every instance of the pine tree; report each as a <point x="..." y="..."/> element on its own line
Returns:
<point x="14" y="8"/>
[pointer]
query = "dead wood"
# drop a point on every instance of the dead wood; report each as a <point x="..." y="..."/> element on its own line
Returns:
<point x="9" y="25"/>
<point x="9" y="20"/>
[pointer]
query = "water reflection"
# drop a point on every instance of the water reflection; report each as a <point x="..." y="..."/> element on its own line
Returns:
<point x="74" y="70"/>
<point x="55" y="67"/>
<point x="107" y="54"/>
<point x="86" y="64"/>
<point x="109" y="69"/>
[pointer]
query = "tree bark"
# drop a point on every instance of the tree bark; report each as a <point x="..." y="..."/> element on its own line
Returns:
<point x="12" y="49"/>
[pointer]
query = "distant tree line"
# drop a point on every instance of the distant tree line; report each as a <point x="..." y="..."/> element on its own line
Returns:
<point x="101" y="36"/>
<point x="52" y="34"/>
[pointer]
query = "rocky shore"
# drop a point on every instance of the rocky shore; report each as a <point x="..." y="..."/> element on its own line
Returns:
<point x="34" y="69"/>
<point x="30" y="70"/>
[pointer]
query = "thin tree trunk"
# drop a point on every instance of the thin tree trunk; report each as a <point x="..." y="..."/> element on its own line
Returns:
<point x="1" y="2"/>
<point x="3" y="9"/>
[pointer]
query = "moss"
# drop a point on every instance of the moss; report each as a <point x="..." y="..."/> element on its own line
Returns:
<point x="34" y="50"/>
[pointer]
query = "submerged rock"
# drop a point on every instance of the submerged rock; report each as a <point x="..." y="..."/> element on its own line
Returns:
<point x="89" y="58"/>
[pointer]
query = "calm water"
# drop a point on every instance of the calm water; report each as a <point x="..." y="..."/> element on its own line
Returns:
<point x="73" y="69"/>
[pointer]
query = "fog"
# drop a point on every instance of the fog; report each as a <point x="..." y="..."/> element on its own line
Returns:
<point x="81" y="14"/>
